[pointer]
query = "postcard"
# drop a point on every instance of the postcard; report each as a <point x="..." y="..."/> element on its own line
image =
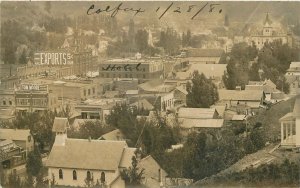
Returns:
<point x="150" y="94"/>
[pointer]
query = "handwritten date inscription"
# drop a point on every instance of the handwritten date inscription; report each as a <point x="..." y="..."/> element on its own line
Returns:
<point x="126" y="67"/>
<point x="193" y="10"/>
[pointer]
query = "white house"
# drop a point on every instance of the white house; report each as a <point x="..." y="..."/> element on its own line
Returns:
<point x="79" y="162"/>
<point x="290" y="127"/>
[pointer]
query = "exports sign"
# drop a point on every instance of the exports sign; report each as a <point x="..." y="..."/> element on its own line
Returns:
<point x="53" y="58"/>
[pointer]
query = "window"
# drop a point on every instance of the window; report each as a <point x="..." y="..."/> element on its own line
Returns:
<point x="4" y="102"/>
<point x="74" y="175"/>
<point x="10" y="102"/>
<point x="84" y="92"/>
<point x="93" y="90"/>
<point x="89" y="91"/>
<point x="144" y="76"/>
<point x="102" y="177"/>
<point x="88" y="175"/>
<point x="60" y="174"/>
<point x="29" y="138"/>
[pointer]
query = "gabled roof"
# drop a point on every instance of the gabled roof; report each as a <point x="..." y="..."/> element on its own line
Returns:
<point x="201" y="123"/>
<point x="220" y="109"/>
<point x="182" y="90"/>
<point x="287" y="117"/>
<point x="143" y="103"/>
<point x="87" y="154"/>
<point x="292" y="115"/>
<point x="126" y="160"/>
<point x="243" y="95"/>
<point x="296" y="110"/>
<point x="197" y="113"/>
<point x="157" y="85"/>
<point x="199" y="52"/>
<point x="209" y="70"/>
<point x="60" y="124"/>
<point x="254" y="87"/>
<point x="151" y="167"/>
<point x="113" y="135"/>
<point x="14" y="134"/>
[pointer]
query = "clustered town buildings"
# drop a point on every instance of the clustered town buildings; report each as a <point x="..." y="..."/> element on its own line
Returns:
<point x="91" y="87"/>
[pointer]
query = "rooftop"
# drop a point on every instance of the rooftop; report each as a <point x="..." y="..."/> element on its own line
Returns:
<point x="113" y="135"/>
<point x="201" y="123"/>
<point x="88" y="154"/>
<point x="132" y="61"/>
<point x="156" y="86"/>
<point x="209" y="70"/>
<point x="199" y="52"/>
<point x="241" y="95"/>
<point x="143" y="103"/>
<point x="197" y="113"/>
<point x="14" y="134"/>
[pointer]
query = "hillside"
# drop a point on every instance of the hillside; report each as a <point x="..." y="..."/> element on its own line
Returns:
<point x="240" y="13"/>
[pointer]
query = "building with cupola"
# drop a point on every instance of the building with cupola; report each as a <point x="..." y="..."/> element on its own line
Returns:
<point x="269" y="32"/>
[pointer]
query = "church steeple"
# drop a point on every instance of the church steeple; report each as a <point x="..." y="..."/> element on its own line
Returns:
<point x="267" y="20"/>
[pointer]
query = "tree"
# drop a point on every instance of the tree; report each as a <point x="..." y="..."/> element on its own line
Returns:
<point x="92" y="129"/>
<point x="275" y="58"/>
<point x="194" y="162"/>
<point x="131" y="34"/>
<point x="23" y="58"/>
<point x="238" y="66"/>
<point x="34" y="162"/>
<point x="141" y="39"/>
<point x="202" y="93"/>
<point x="133" y="176"/>
<point x="170" y="41"/>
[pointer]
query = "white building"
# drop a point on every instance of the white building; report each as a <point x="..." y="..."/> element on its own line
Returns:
<point x="290" y="127"/>
<point x="82" y="162"/>
<point x="269" y="33"/>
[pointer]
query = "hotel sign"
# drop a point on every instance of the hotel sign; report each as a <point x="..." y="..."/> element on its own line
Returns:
<point x="53" y="58"/>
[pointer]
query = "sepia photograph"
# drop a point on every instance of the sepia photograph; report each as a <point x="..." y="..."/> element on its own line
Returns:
<point x="149" y="94"/>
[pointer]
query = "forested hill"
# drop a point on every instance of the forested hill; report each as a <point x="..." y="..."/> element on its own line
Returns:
<point x="238" y="12"/>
